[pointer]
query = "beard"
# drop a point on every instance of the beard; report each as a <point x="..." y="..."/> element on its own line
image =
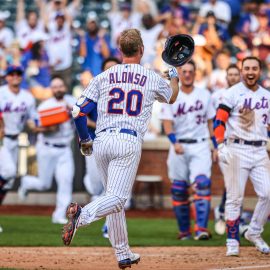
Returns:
<point x="59" y="95"/>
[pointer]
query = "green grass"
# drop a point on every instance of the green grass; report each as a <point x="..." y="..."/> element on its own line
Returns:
<point x="39" y="231"/>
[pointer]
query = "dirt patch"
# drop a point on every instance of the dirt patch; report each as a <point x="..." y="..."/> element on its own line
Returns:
<point x="158" y="258"/>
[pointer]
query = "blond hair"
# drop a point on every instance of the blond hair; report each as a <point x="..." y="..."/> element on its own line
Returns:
<point x="130" y="42"/>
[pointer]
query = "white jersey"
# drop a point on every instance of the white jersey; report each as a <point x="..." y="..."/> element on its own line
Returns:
<point x="217" y="97"/>
<point x="125" y="94"/>
<point x="250" y="113"/>
<point x="59" y="46"/>
<point x="16" y="109"/>
<point x="189" y="114"/>
<point x="65" y="133"/>
<point x="6" y="37"/>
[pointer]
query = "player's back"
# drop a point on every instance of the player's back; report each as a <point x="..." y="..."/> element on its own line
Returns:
<point x="125" y="94"/>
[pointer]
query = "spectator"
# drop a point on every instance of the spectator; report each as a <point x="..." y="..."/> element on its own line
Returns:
<point x="36" y="63"/>
<point x="266" y="74"/>
<point x="260" y="39"/>
<point x="85" y="78"/>
<point x="27" y="26"/>
<point x="150" y="33"/>
<point x="123" y="17"/>
<point x="94" y="45"/>
<point x="221" y="10"/>
<point x="6" y="35"/>
<point x="217" y="79"/>
<point x="71" y="10"/>
<point x="60" y="49"/>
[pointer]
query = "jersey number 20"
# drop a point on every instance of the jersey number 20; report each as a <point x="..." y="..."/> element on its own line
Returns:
<point x="133" y="102"/>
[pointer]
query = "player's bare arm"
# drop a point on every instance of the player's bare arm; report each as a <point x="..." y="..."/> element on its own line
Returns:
<point x="168" y="127"/>
<point x="2" y="133"/>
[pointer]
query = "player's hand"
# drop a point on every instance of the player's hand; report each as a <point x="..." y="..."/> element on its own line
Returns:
<point x="178" y="148"/>
<point x="86" y="147"/>
<point x="224" y="154"/>
<point x="170" y="73"/>
<point x="215" y="155"/>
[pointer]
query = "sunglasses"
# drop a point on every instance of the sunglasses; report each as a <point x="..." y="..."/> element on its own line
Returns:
<point x="14" y="74"/>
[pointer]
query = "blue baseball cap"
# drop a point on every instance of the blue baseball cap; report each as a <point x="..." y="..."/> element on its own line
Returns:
<point x="13" y="68"/>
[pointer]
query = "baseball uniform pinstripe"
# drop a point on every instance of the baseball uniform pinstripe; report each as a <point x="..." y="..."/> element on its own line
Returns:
<point x="125" y="94"/>
<point x="248" y="121"/>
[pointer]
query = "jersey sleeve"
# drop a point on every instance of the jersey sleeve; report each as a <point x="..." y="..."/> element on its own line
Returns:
<point x="92" y="90"/>
<point x="166" y="112"/>
<point x="164" y="91"/>
<point x="32" y="112"/>
<point x="228" y="99"/>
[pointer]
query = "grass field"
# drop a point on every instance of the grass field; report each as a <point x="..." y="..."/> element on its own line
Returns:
<point x="39" y="231"/>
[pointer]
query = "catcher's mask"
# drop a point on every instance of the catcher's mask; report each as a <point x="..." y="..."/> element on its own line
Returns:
<point x="178" y="50"/>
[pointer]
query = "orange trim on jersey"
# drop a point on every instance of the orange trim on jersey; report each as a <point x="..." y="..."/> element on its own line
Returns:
<point x="176" y="203"/>
<point x="197" y="197"/>
<point x="82" y="114"/>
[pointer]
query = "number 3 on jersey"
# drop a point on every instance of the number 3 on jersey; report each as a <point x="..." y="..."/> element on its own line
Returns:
<point x="133" y="102"/>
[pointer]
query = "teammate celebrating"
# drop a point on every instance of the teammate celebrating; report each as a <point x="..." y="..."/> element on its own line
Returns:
<point x="233" y="77"/>
<point x="16" y="107"/>
<point x="245" y="112"/>
<point x="54" y="155"/>
<point x="188" y="124"/>
<point x="125" y="95"/>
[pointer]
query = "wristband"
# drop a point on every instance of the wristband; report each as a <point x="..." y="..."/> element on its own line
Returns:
<point x="172" y="138"/>
<point x="214" y="141"/>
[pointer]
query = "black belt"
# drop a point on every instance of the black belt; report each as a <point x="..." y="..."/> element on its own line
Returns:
<point x="122" y="130"/>
<point x="253" y="143"/>
<point x="55" y="145"/>
<point x="12" y="137"/>
<point x="191" y="140"/>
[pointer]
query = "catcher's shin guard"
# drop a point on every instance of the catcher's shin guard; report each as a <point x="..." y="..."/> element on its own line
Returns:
<point x="202" y="200"/>
<point x="181" y="207"/>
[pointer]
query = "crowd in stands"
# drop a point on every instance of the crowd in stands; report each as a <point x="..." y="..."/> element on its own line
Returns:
<point x="71" y="39"/>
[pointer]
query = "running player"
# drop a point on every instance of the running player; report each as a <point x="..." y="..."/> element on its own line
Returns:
<point x="245" y="113"/>
<point x="124" y="95"/>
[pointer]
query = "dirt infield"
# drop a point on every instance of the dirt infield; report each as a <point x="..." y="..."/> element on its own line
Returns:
<point x="159" y="258"/>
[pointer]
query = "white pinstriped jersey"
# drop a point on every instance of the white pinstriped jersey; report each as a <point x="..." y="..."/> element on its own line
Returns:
<point x="217" y="97"/>
<point x="250" y="112"/>
<point x="65" y="132"/>
<point x="16" y="109"/>
<point x="189" y="114"/>
<point x="125" y="94"/>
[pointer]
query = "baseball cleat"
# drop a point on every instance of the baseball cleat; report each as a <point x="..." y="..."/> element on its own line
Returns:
<point x="184" y="236"/>
<point x="59" y="221"/>
<point x="202" y="235"/>
<point x="69" y="230"/>
<point x="232" y="248"/>
<point x="220" y="224"/>
<point x="259" y="243"/>
<point x="126" y="263"/>
<point x="243" y="229"/>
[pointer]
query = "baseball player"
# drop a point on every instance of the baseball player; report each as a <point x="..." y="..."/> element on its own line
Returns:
<point x="92" y="179"/>
<point x="244" y="113"/>
<point x="124" y="95"/>
<point x="188" y="124"/>
<point x="54" y="155"/>
<point x="233" y="77"/>
<point x="16" y="107"/>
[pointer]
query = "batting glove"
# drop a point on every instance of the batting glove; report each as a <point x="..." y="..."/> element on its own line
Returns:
<point x="224" y="154"/>
<point x="173" y="73"/>
<point x="86" y="147"/>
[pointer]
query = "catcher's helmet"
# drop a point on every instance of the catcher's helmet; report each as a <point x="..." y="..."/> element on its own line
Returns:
<point x="178" y="50"/>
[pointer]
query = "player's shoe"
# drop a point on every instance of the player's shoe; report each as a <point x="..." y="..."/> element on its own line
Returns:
<point x="259" y="243"/>
<point x="105" y="231"/>
<point x="232" y="247"/>
<point x="202" y="235"/>
<point x="184" y="236"/>
<point x="220" y="224"/>
<point x="134" y="259"/>
<point x="243" y="229"/>
<point x="22" y="193"/>
<point x="69" y="230"/>
<point x="59" y="221"/>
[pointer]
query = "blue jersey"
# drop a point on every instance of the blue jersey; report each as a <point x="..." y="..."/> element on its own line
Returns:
<point x="92" y="116"/>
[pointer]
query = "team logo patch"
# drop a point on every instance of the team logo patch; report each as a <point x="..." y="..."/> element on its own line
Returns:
<point x="80" y="101"/>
